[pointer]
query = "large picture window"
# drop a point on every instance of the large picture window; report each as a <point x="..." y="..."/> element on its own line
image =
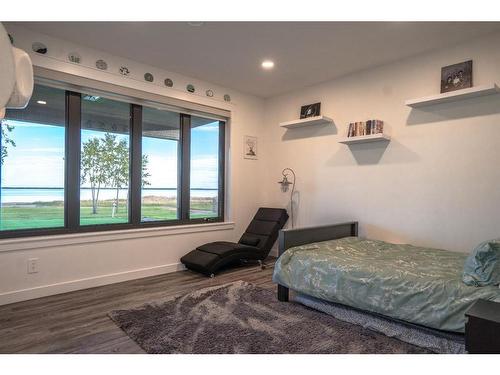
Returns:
<point x="75" y="162"/>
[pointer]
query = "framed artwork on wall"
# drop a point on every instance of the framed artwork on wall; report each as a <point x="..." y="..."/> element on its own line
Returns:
<point x="250" y="148"/>
<point x="310" y="110"/>
<point x="456" y="76"/>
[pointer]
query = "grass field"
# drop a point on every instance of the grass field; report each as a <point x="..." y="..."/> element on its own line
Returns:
<point x="51" y="214"/>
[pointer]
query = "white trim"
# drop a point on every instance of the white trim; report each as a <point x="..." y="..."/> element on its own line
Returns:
<point x="68" y="81"/>
<point x="40" y="242"/>
<point x="90" y="282"/>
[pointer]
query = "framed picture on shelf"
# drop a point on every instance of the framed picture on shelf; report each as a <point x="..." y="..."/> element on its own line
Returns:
<point x="310" y="110"/>
<point x="250" y="148"/>
<point x="456" y="76"/>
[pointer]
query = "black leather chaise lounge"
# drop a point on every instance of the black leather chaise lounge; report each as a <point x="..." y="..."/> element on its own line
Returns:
<point x="254" y="245"/>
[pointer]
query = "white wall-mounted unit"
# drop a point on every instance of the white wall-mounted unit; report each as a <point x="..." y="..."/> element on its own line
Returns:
<point x="452" y="96"/>
<point x="309" y="121"/>
<point x="365" y="139"/>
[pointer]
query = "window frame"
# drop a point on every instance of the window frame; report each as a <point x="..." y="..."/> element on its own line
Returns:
<point x="72" y="171"/>
<point x="221" y="175"/>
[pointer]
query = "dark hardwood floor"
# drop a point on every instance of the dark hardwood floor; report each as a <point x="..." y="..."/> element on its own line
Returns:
<point x="77" y="322"/>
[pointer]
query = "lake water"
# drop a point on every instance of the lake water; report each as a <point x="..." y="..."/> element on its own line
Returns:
<point x="30" y="195"/>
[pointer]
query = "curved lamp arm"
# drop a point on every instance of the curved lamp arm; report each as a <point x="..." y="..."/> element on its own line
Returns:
<point x="285" y="183"/>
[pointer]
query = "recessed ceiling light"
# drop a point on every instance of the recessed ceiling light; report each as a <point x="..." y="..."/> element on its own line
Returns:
<point x="41" y="102"/>
<point x="267" y="64"/>
<point x="196" y="24"/>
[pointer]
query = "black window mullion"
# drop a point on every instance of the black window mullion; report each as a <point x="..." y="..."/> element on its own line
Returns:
<point x="222" y="168"/>
<point x="179" y="171"/>
<point x="185" y="167"/>
<point x="135" y="164"/>
<point x="72" y="166"/>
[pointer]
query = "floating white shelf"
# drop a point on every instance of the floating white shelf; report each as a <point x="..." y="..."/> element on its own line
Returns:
<point x="365" y="139"/>
<point x="309" y="121"/>
<point x="452" y="96"/>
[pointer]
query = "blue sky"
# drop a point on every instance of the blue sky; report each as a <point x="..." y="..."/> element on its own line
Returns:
<point x="38" y="158"/>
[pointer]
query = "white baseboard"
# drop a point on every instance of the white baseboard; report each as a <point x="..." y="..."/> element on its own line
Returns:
<point x="91" y="282"/>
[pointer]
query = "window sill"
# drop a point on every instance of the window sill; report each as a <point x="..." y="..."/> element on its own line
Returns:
<point x="31" y="243"/>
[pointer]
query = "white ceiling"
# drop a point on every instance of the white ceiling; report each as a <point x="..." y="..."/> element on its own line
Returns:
<point x="230" y="53"/>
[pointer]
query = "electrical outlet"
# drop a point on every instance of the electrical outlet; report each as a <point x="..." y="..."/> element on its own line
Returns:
<point x="33" y="265"/>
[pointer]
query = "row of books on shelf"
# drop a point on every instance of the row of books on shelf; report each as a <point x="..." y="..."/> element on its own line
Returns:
<point x="357" y="129"/>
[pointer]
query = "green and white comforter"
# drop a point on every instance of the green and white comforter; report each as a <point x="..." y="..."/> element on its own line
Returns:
<point x="415" y="284"/>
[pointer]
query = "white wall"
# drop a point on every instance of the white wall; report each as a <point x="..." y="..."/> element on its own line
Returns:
<point x="72" y="262"/>
<point x="436" y="183"/>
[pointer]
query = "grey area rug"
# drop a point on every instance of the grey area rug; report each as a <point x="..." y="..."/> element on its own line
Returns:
<point x="243" y="318"/>
<point x="442" y="342"/>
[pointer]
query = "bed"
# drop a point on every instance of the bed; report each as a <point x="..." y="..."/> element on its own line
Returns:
<point x="417" y="285"/>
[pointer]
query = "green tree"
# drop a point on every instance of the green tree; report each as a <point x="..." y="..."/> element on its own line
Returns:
<point x="116" y="163"/>
<point x="105" y="162"/>
<point x="145" y="173"/>
<point x="6" y="140"/>
<point x="93" y="168"/>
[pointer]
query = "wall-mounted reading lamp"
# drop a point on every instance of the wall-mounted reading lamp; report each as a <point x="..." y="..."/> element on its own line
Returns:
<point x="285" y="183"/>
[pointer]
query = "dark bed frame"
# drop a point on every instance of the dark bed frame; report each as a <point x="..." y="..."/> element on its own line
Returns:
<point x="295" y="237"/>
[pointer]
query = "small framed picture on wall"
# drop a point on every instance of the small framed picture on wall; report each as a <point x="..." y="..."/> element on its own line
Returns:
<point x="310" y="110"/>
<point x="456" y="76"/>
<point x="250" y="150"/>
